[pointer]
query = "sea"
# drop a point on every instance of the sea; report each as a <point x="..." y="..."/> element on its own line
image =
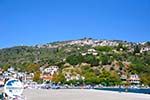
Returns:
<point x="131" y="90"/>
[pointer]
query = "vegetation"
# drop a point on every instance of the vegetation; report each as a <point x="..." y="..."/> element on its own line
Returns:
<point x="58" y="78"/>
<point x="37" y="76"/>
<point x="99" y="69"/>
<point x="104" y="48"/>
<point x="74" y="59"/>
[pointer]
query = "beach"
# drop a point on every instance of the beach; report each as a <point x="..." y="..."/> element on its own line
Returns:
<point x="80" y="94"/>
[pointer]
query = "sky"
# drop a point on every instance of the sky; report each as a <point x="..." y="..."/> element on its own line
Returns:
<point x="30" y="22"/>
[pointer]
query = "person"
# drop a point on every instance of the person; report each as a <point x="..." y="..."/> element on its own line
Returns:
<point x="119" y="88"/>
<point x="126" y="89"/>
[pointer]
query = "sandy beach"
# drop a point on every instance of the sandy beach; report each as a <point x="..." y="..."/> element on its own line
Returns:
<point x="80" y="94"/>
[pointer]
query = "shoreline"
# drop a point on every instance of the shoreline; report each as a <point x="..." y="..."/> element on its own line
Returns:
<point x="81" y="94"/>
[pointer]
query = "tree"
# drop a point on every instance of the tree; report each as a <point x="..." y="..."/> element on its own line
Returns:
<point x="91" y="60"/>
<point x="91" y="78"/>
<point x="104" y="59"/>
<point x="136" y="49"/>
<point x="32" y="68"/>
<point x="104" y="48"/>
<point x="74" y="59"/>
<point x="145" y="78"/>
<point x="58" y="77"/>
<point x="139" y="68"/>
<point x="109" y="78"/>
<point x="6" y="66"/>
<point x="37" y="75"/>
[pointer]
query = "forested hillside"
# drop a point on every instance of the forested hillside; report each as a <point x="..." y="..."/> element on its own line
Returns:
<point x="103" y="64"/>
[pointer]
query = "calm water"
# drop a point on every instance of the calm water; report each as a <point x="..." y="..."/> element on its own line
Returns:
<point x="132" y="90"/>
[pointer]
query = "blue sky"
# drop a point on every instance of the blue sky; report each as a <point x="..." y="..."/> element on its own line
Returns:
<point x="29" y="22"/>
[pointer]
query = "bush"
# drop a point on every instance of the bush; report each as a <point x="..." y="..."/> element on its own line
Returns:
<point x="74" y="59"/>
<point x="90" y="59"/>
<point x="104" y="48"/>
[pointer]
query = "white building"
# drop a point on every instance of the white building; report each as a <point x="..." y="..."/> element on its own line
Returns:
<point x="51" y="70"/>
<point x="134" y="79"/>
<point x="145" y="49"/>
